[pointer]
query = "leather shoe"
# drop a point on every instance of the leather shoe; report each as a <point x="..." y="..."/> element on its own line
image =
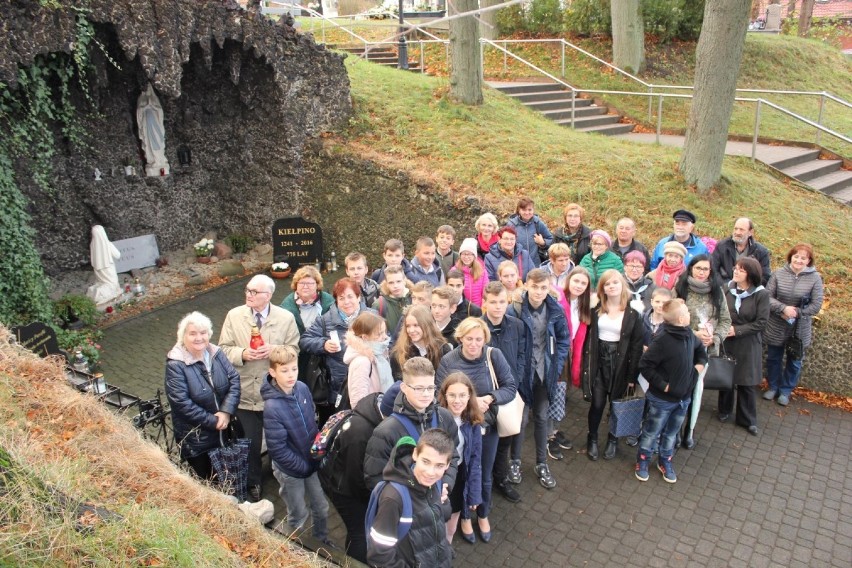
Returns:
<point x="752" y="430"/>
<point x="611" y="446"/>
<point x="509" y="492"/>
<point x="724" y="417"/>
<point x="484" y="535"/>
<point x="592" y="449"/>
<point x="471" y="538"/>
<point x="688" y="442"/>
<point x="254" y="493"/>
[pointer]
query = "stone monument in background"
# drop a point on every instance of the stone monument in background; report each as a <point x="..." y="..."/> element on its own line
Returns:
<point x="103" y="256"/>
<point x="149" y="117"/>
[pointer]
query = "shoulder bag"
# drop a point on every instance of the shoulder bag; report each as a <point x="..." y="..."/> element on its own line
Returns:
<point x="509" y="415"/>
<point x="720" y="371"/>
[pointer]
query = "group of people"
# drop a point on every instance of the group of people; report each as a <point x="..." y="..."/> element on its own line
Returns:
<point x="425" y="351"/>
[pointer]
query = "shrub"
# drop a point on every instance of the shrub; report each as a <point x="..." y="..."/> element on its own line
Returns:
<point x="588" y="17"/>
<point x="240" y="244"/>
<point x="666" y="19"/>
<point x="510" y="20"/>
<point x="544" y="17"/>
<point x="70" y="305"/>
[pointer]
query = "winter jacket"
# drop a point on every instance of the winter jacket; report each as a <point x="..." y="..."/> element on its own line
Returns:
<point x="378" y="275"/>
<point x="413" y="351"/>
<point x="628" y="353"/>
<point x="702" y="304"/>
<point x="478" y="373"/>
<point x="670" y="361"/>
<point x="510" y="338"/>
<point x="526" y="231"/>
<point x="724" y="258"/>
<point x="634" y="245"/>
<point x="787" y="289"/>
<point x="447" y="261"/>
<point x="474" y="290"/>
<point x="290" y="427"/>
<point x="694" y="247"/>
<point x="194" y="402"/>
<point x="363" y="372"/>
<point x="280" y="329"/>
<point x="746" y="346"/>
<point x="597" y="266"/>
<point x="496" y="255"/>
<point x="417" y="273"/>
<point x="471" y="461"/>
<point x="556" y="350"/>
<point x="640" y="293"/>
<point x="648" y="327"/>
<point x="578" y="242"/>
<point x="575" y="354"/>
<point x="391" y="309"/>
<point x="466" y="309"/>
<point x="352" y="447"/>
<point x="426" y="542"/>
<point x="326" y="301"/>
<point x="558" y="280"/>
<point x="388" y="433"/>
<point x="369" y="292"/>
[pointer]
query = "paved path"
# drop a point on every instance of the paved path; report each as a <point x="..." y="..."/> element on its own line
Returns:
<point x="781" y="499"/>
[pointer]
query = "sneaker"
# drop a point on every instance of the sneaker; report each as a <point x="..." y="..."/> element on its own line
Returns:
<point x="544" y="476"/>
<point x="769" y="395"/>
<point x="563" y="442"/>
<point x="783" y="399"/>
<point x="632" y="441"/>
<point x="666" y="468"/>
<point x="509" y="492"/>
<point x="515" y="474"/>
<point x="642" y="468"/>
<point x="553" y="450"/>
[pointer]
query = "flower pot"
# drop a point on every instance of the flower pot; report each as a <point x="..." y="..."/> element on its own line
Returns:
<point x="280" y="273"/>
<point x="203" y="259"/>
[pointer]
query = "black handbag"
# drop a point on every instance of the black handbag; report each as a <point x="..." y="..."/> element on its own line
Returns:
<point x="793" y="347"/>
<point x="720" y="371"/>
<point x="318" y="378"/>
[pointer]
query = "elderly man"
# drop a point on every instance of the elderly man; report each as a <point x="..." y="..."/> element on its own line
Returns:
<point x="684" y="223"/>
<point x="277" y="327"/>
<point x="625" y="232"/>
<point x="740" y="243"/>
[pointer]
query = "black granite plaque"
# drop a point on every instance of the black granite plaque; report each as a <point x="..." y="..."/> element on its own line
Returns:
<point x="296" y="241"/>
<point x="38" y="338"/>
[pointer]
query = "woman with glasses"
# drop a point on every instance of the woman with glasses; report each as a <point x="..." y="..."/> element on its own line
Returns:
<point x="472" y="359"/>
<point x="307" y="302"/>
<point x="640" y="286"/>
<point x="367" y="356"/>
<point x="601" y="258"/>
<point x="703" y="293"/>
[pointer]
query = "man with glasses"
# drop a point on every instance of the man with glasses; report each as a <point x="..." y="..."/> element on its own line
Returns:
<point x="684" y="225"/>
<point x="277" y="326"/>
<point x="416" y="404"/>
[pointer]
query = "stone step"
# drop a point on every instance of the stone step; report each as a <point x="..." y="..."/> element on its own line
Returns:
<point x="609" y="130"/>
<point x="539" y="96"/>
<point x="843" y="196"/>
<point x="833" y="182"/>
<point x="590" y="121"/>
<point x="813" y="169"/>
<point x="530" y="88"/>
<point x="806" y="155"/>
<point x="558" y="104"/>
<point x="565" y="113"/>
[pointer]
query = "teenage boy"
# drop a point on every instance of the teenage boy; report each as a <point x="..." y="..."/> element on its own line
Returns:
<point x="421" y="294"/>
<point x="671" y="365"/>
<point x="547" y="341"/>
<point x="356" y="269"/>
<point x="424" y="265"/>
<point x="394" y="298"/>
<point x="394" y="255"/>
<point x="444" y="240"/>
<point x="464" y="309"/>
<point x="509" y="336"/>
<point x="288" y="419"/>
<point x="416" y="403"/>
<point x="444" y="303"/>
<point x="419" y="472"/>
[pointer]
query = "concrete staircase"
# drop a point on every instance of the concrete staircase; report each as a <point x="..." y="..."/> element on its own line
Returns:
<point x="554" y="102"/>
<point x="381" y="55"/>
<point x="826" y="176"/>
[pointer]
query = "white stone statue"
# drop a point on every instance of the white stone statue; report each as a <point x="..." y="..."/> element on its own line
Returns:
<point x="103" y="256"/>
<point x="149" y="117"/>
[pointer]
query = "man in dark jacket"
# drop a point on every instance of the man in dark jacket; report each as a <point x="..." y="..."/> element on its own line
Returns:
<point x="419" y="472"/>
<point x="740" y="243"/>
<point x="625" y="241"/>
<point x="416" y="402"/>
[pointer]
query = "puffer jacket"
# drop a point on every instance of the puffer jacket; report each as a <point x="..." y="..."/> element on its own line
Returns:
<point x="363" y="372"/>
<point x="290" y="427"/>
<point x="478" y="373"/>
<point x="417" y="273"/>
<point x="526" y="231"/>
<point x="521" y="257"/>
<point x="510" y="338"/>
<point x="787" y="289"/>
<point x="472" y="463"/>
<point x="628" y="353"/>
<point x="597" y="266"/>
<point x="556" y="349"/>
<point x="426" y="542"/>
<point x="475" y="289"/>
<point x="194" y="402"/>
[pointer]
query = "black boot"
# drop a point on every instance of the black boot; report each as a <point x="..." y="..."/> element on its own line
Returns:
<point x="592" y="448"/>
<point x="611" y="445"/>
<point x="688" y="441"/>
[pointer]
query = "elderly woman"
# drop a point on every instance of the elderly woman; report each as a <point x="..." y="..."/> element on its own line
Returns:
<point x="574" y="234"/>
<point x="795" y="297"/>
<point x="308" y="301"/>
<point x="748" y="303"/>
<point x="486" y="233"/>
<point x="472" y="359"/>
<point x="203" y="389"/>
<point x="507" y="248"/>
<point x="672" y="266"/>
<point x="640" y="286"/>
<point x="601" y="258"/>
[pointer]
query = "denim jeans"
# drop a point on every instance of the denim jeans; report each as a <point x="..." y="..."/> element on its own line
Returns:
<point x="781" y="382"/>
<point x="662" y="422"/>
<point x="293" y="491"/>
<point x="490" y="440"/>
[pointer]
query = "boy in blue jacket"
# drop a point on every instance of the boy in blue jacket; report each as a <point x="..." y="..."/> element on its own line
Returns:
<point x="288" y="419"/>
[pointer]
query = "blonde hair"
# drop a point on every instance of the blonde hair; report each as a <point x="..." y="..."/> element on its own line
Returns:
<point x="468" y="325"/>
<point x="625" y="290"/>
<point x="558" y="249"/>
<point x="306" y="272"/>
<point x="486" y="217"/>
<point x="281" y="355"/>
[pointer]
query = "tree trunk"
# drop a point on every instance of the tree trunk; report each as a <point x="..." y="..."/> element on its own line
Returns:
<point x="717" y="65"/>
<point x="488" y="20"/>
<point x="628" y="35"/>
<point x="805" y="17"/>
<point x="466" y="60"/>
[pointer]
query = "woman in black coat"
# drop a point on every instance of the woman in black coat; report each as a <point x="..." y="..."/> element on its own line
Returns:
<point x="748" y="303"/>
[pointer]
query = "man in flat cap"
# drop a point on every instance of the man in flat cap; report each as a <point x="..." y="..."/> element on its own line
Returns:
<point x="684" y="223"/>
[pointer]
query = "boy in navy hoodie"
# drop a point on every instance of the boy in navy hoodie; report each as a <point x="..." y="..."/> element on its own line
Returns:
<point x="671" y="366"/>
<point x="288" y="420"/>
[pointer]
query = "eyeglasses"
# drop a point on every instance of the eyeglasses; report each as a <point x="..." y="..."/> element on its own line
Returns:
<point x="636" y="266"/>
<point x="254" y="293"/>
<point x="307" y="283"/>
<point x="462" y="396"/>
<point x="422" y="390"/>
<point x="701" y="268"/>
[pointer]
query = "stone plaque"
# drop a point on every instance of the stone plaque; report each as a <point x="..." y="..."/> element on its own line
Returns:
<point x="137" y="252"/>
<point x="38" y="338"/>
<point x="297" y="241"/>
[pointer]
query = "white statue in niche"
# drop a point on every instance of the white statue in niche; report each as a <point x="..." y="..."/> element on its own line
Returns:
<point x="103" y="256"/>
<point x="149" y="117"/>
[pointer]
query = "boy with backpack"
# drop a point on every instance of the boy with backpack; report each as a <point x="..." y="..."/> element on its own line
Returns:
<point x="394" y="255"/>
<point x="405" y="520"/>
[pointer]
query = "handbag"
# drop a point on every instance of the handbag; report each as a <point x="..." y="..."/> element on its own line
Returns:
<point x="318" y="378"/>
<point x="556" y="410"/>
<point x="509" y="415"/>
<point x="230" y="460"/>
<point x="720" y="371"/>
<point x="793" y="347"/>
<point x="627" y="412"/>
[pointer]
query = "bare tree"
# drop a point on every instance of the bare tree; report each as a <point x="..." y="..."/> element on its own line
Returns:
<point x="805" y="17"/>
<point x="488" y="20"/>
<point x="628" y="35"/>
<point x="717" y="65"/>
<point x="466" y="59"/>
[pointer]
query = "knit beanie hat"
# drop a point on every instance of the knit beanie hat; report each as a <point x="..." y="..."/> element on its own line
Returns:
<point x="468" y="245"/>
<point x="675" y="247"/>
<point x="601" y="235"/>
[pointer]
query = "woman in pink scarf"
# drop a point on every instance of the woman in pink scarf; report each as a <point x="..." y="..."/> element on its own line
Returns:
<point x="672" y="266"/>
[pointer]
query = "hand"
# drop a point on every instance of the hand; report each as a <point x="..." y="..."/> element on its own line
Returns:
<point x="666" y="389"/>
<point x="257" y="354"/>
<point x="699" y="368"/>
<point x="539" y="240"/>
<point x="444" y="493"/>
<point x="484" y="402"/>
<point x="222" y="420"/>
<point x="331" y="346"/>
<point x="790" y="312"/>
<point x="731" y="332"/>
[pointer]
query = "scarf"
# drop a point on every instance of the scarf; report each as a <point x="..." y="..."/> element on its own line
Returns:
<point x="742" y="296"/>
<point x="380" y="351"/>
<point x="666" y="275"/>
<point x="349" y="319"/>
<point x="486" y="245"/>
<point x="698" y="287"/>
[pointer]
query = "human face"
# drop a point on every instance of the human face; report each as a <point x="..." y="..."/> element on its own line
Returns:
<point x="561" y="263"/>
<point x="633" y="270"/>
<point x="741" y="231"/>
<point x="467" y="258"/>
<point x="672" y="259"/>
<point x="577" y="285"/>
<point x="626" y="230"/>
<point x="357" y="271"/>
<point x="526" y="213"/>
<point x="456" y="284"/>
<point x="425" y="256"/>
<point x="445" y="242"/>
<point x="701" y="270"/>
<point x="472" y="343"/>
<point x="378" y="335"/>
<point x="613" y="288"/>
<point x="393" y="257"/>
<point x="537" y="292"/>
<point x="441" y="311"/>
<point x="509" y="277"/>
<point x="573" y="219"/>
<point x="657" y="303"/>
<point x="413" y="329"/>
<point x="396" y="284"/>
<point x="306" y="289"/>
<point x="348" y="302"/>
<point x="740" y="276"/>
<point x="419" y="299"/>
<point x="257" y="297"/>
<point x="495" y="306"/>
<point x="598" y="247"/>
<point x="799" y="261"/>
<point x="429" y="466"/>
<point x="196" y="339"/>
<point x="507" y="242"/>
<point x="285" y="375"/>
<point x="457" y="396"/>
<point x="682" y="229"/>
<point x="419" y="391"/>
<point x="487" y="228"/>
